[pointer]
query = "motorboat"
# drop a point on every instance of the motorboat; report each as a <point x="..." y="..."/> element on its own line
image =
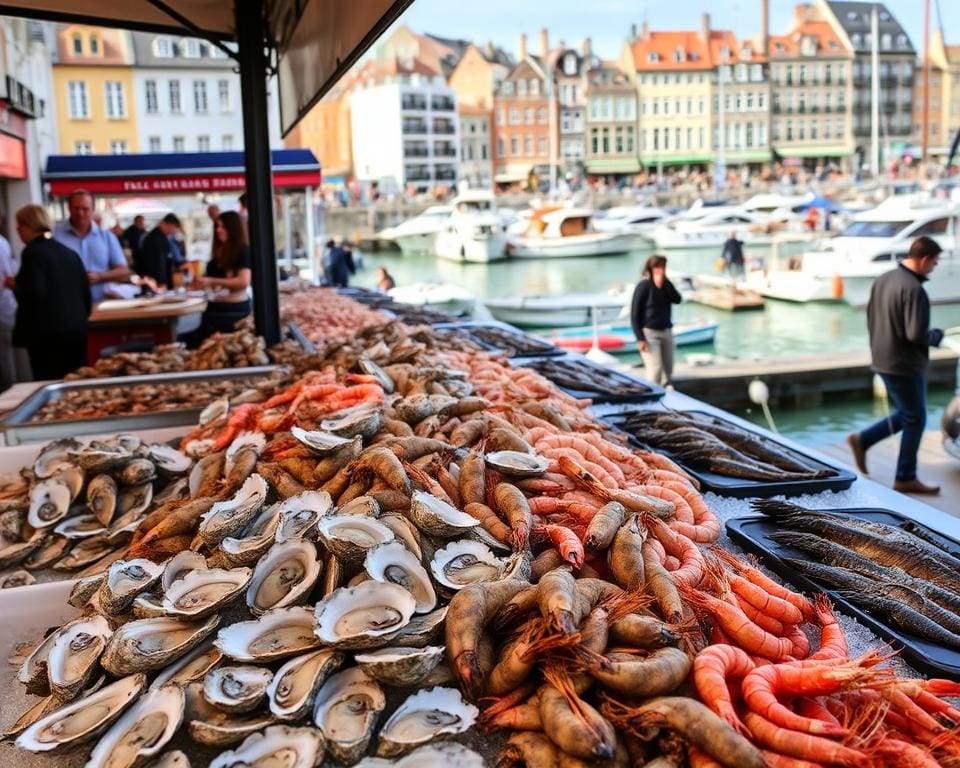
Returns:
<point x="419" y="234"/>
<point x="618" y="338"/>
<point x="474" y="231"/>
<point x="638" y="220"/>
<point x="713" y="228"/>
<point x="442" y="297"/>
<point x="566" y="232"/>
<point x="561" y="310"/>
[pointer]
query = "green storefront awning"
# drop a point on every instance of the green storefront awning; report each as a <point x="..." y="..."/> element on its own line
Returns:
<point x="613" y="165"/>
<point x="652" y="161"/>
<point x="753" y="156"/>
<point x="821" y="150"/>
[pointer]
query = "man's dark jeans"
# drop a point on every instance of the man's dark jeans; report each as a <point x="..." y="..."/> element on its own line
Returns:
<point x="909" y="397"/>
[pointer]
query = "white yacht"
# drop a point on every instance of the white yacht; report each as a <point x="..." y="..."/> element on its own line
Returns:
<point x="638" y="220"/>
<point x="442" y="297"/>
<point x="710" y="228"/>
<point x="566" y="232"/>
<point x="474" y="231"/>
<point x="561" y="310"/>
<point x="419" y="234"/>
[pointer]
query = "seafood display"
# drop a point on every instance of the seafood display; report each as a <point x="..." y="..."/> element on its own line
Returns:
<point x="507" y="341"/>
<point x="324" y="315"/>
<point x="585" y="379"/>
<point x="406" y="313"/>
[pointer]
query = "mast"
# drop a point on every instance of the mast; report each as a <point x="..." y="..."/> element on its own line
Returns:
<point x="551" y="103"/>
<point x="720" y="166"/>
<point x="875" y="93"/>
<point x="924" y="141"/>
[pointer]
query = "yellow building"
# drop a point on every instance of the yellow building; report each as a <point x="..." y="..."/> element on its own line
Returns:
<point x="944" y="114"/>
<point x="94" y="91"/>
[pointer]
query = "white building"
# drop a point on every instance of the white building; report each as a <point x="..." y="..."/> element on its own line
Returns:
<point x="188" y="96"/>
<point x="476" y="155"/>
<point x="406" y="132"/>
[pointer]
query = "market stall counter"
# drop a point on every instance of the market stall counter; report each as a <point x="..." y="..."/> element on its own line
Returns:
<point x="149" y="321"/>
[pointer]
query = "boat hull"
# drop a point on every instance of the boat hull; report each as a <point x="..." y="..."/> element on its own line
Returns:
<point x="572" y="246"/>
<point x="795" y="286"/>
<point x="554" y="318"/>
<point x="475" y="250"/>
<point x="620" y="339"/>
<point x="421" y="242"/>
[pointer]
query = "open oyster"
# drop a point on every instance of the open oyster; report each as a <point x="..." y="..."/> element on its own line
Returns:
<point x="180" y="565"/>
<point x="422" y="630"/>
<point x="208" y="725"/>
<point x="99" y="456"/>
<point x="394" y="563"/>
<point x="517" y="464"/>
<point x="245" y="441"/>
<point x="400" y="666"/>
<point x="350" y="536"/>
<point x="278" y="745"/>
<point x="361" y="420"/>
<point x="16" y="553"/>
<point x="169" y="460"/>
<point x="236" y="689"/>
<point x="54" y="456"/>
<point x="125" y="580"/>
<point x="423" y="717"/>
<point x="15" y="579"/>
<point x="462" y="563"/>
<point x="102" y="497"/>
<point x="291" y="692"/>
<point x="80" y="527"/>
<point x="366" y="365"/>
<point x="443" y="755"/>
<point x="228" y="518"/>
<point x="33" y="671"/>
<point x="87" y="551"/>
<point x="277" y="634"/>
<point x="320" y="442"/>
<point x="200" y="593"/>
<point x="148" y="644"/>
<point x="133" y="501"/>
<point x="142" y="731"/>
<point x="193" y="666"/>
<point x="365" y="616"/>
<point x="137" y="472"/>
<point x="176" y="759"/>
<point x="49" y="503"/>
<point x="300" y="514"/>
<point x="438" y="518"/>
<point x="404" y="531"/>
<point x="148" y="606"/>
<point x="73" y="656"/>
<point x="284" y="576"/>
<point x="362" y="505"/>
<point x="51" y="549"/>
<point x="255" y="539"/>
<point x="347" y="709"/>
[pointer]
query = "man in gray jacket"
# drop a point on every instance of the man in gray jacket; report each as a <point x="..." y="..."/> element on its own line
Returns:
<point x="898" y="318"/>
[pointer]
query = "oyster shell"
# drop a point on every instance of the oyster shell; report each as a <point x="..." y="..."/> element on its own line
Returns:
<point x="205" y="472"/>
<point x="202" y="592"/>
<point x="462" y="563"/>
<point x="349" y="537"/>
<point x="400" y="666"/>
<point x="14" y="554"/>
<point x="125" y="580"/>
<point x="423" y="717"/>
<point x="405" y="532"/>
<point x="80" y="527"/>
<point x="236" y="689"/>
<point x="362" y="505"/>
<point x="193" y="666"/>
<point x="180" y="565"/>
<point x="361" y="420"/>
<point x="33" y="671"/>
<point x="84" y="589"/>
<point x="422" y="630"/>
<point x="517" y="463"/>
<point x="245" y="441"/>
<point x="278" y="745"/>
<point x="365" y="616"/>
<point x="49" y="503"/>
<point x="214" y="728"/>
<point x="277" y="634"/>
<point x="438" y="518"/>
<point x="394" y="563"/>
<point x="71" y="476"/>
<point x="320" y="442"/>
<point x="134" y="500"/>
<point x="227" y="518"/>
<point x="284" y="576"/>
<point x="169" y="460"/>
<point x="99" y="456"/>
<point x="255" y="539"/>
<point x="142" y="731"/>
<point x="53" y="456"/>
<point x="137" y="472"/>
<point x="291" y="692"/>
<point x="443" y="755"/>
<point x="174" y="759"/>
<point x="178" y="489"/>
<point x="73" y="656"/>
<point x="216" y="410"/>
<point x="300" y="514"/>
<point x="149" y="644"/>
<point x="366" y="365"/>
<point x="102" y="497"/>
<point x="82" y="719"/>
<point x="15" y="579"/>
<point x="87" y="551"/>
<point x="148" y="606"/>
<point x="347" y="709"/>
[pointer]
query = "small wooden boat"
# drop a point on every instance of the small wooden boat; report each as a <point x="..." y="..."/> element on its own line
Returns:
<point x="619" y="339"/>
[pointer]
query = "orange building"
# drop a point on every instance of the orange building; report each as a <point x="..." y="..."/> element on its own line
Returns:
<point x="325" y="130"/>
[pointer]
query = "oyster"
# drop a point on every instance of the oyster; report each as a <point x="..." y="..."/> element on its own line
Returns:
<point x="517" y="464"/>
<point x="277" y="634"/>
<point x="54" y="456"/>
<point x="14" y="554"/>
<point x="300" y="514"/>
<point x="33" y="671"/>
<point x="320" y="442"/>
<point x="438" y="518"/>
<point x="134" y="500"/>
<point x="347" y="709"/>
<point x="423" y="717"/>
<point x="169" y="460"/>
<point x="73" y="656"/>
<point x="85" y="588"/>
<point x="176" y="759"/>
<point x="82" y="719"/>
<point x="365" y="616"/>
<point x="193" y="666"/>
<point x="359" y="421"/>
<point x="394" y="563"/>
<point x="227" y="518"/>
<point x="102" y="497"/>
<point x="278" y="745"/>
<point x="284" y="576"/>
<point x="125" y="580"/>
<point x="518" y="566"/>
<point x="245" y="441"/>
<point x="208" y="725"/>
<point x="16" y="579"/>
<point x="149" y="644"/>
<point x="178" y="489"/>
<point x="137" y="472"/>
<point x="349" y="537"/>
<point x="142" y="731"/>
<point x="180" y="565"/>
<point x="100" y="456"/>
<point x="291" y="692"/>
<point x="400" y="666"/>
<point x="443" y="755"/>
<point x="405" y="532"/>
<point x="87" y="551"/>
<point x="254" y="540"/>
<point x="205" y="473"/>
<point x="462" y="563"/>
<point x="202" y="592"/>
<point x="80" y="527"/>
<point x="366" y="365"/>
<point x="71" y="476"/>
<point x="49" y="503"/>
<point x="148" y="606"/>
<point x="236" y="689"/>
<point x="218" y="409"/>
<point x="362" y="505"/>
<point x="422" y="630"/>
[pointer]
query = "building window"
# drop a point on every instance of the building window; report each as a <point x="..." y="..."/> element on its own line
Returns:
<point x="528" y="145"/>
<point x="618" y="140"/>
<point x="191" y="49"/>
<point x="700" y="138"/>
<point x="500" y="117"/>
<point x="676" y="138"/>
<point x="174" y="87"/>
<point x="77" y="48"/>
<point x="534" y="87"/>
<point x="789" y="130"/>
<point x="179" y="145"/>
<point x="94" y="45"/>
<point x="501" y="148"/>
<point x="514" y="116"/>
<point x="226" y="142"/>
<point x="483" y="151"/>
<point x="542" y="145"/>
<point x="163" y="48"/>
<point x="203" y="143"/>
<point x="223" y="95"/>
<point x="150" y="96"/>
<point x="689" y="138"/>
<point x="521" y="87"/>
<point x="542" y="115"/>
<point x="82" y="148"/>
<point x="514" y="145"/>
<point x="77" y="92"/>
<point x="200" y="96"/>
<point x="656" y="139"/>
<point x="528" y="116"/>
<point x="605" y="140"/>
<point x="666" y="138"/>
<point x="507" y="88"/>
<point x="154" y="142"/>
<point x="118" y="147"/>
<point x="666" y="106"/>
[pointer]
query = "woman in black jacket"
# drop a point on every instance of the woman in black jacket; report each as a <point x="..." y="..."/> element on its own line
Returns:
<point x="650" y="317"/>
<point x="53" y="299"/>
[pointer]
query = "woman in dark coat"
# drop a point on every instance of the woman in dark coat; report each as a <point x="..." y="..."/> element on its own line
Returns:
<point x="53" y="299"/>
<point x="229" y="273"/>
<point x="650" y="315"/>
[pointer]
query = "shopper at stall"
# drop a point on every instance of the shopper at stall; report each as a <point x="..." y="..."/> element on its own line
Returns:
<point x="159" y="256"/>
<point x="341" y="265"/>
<point x="133" y="236"/>
<point x="228" y="274"/>
<point x="898" y="318"/>
<point x="98" y="248"/>
<point x="53" y="299"/>
<point x="650" y="315"/>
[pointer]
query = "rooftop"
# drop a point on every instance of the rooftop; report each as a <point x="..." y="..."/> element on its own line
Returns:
<point x="854" y="17"/>
<point x="825" y="38"/>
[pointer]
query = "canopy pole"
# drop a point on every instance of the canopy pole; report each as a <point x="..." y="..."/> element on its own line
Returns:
<point x="252" y="58"/>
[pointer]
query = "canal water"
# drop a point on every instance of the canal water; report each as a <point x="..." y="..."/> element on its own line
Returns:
<point x="780" y="329"/>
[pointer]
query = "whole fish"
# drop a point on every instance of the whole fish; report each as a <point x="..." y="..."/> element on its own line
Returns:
<point x="903" y="616"/>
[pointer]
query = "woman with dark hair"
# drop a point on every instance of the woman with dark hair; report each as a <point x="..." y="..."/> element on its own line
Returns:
<point x="228" y="273"/>
<point x="650" y="315"/>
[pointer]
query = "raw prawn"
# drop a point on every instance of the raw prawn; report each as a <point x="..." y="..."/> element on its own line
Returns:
<point x="565" y="540"/>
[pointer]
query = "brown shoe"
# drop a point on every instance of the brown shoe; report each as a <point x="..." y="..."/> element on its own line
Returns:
<point x="859" y="455"/>
<point x="915" y="486"/>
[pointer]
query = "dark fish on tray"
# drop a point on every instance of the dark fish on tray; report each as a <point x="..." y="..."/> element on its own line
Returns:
<point x="904" y="617"/>
<point x="510" y="343"/>
<point x="731" y="463"/>
<point x="917" y="530"/>
<point x="572" y="374"/>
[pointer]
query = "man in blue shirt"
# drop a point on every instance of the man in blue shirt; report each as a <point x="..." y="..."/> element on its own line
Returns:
<point x="98" y="248"/>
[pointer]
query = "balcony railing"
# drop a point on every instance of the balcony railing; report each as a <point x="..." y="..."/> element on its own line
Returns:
<point x="445" y="151"/>
<point x="414" y="127"/>
<point x="20" y="98"/>
<point x="446" y="174"/>
<point x="442" y="103"/>
<point x="413" y="102"/>
<point x="416" y="152"/>
<point x="444" y="128"/>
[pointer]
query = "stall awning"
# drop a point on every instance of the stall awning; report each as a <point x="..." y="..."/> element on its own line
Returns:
<point x="174" y="173"/>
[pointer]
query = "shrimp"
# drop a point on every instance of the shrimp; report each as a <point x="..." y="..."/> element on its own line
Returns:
<point x="243" y="418"/>
<point x="557" y="600"/>
<point x="383" y="463"/>
<point x="429" y="484"/>
<point x="660" y="584"/>
<point x="532" y="750"/>
<point x="566" y="542"/>
<point x="801" y="643"/>
<point x="588" y="451"/>
<point x="833" y="643"/>
<point x="603" y="477"/>
<point x="776" y="760"/>
<point x="473" y="477"/>
<point x="514" y="507"/>
<point x="604" y="525"/>
<point x="763" y="581"/>
<point x="625" y="556"/>
<point x="639" y="631"/>
<point x="691" y="559"/>
<point x="803" y="745"/>
<point x="659" y="461"/>
<point x="682" y="511"/>
<point x="515" y="662"/>
<point x="557" y="484"/>
<point x="770" y="605"/>
<point x="570" y="722"/>
<point x="518" y="711"/>
<point x="662" y="671"/>
<point x="633" y="501"/>
<point x="355" y="395"/>
<point x="713" y="667"/>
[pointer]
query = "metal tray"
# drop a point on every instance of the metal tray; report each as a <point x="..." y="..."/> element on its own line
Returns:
<point x="293" y="330"/>
<point x="547" y="349"/>
<point x="924" y="655"/>
<point x="741" y="488"/>
<point x="18" y="427"/>
<point x="653" y="391"/>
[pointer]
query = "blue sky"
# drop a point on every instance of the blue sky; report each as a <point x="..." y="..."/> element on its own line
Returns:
<point x="607" y="22"/>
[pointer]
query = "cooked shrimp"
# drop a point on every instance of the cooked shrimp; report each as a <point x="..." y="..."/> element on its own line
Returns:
<point x="660" y="672"/>
<point x="833" y="643"/>
<point x="803" y="745"/>
<point x="691" y="559"/>
<point x="597" y="472"/>
<point x="713" y="668"/>
<point x="763" y="581"/>
<point x="633" y="501"/>
<point x="489" y="521"/>
<point x="565" y="540"/>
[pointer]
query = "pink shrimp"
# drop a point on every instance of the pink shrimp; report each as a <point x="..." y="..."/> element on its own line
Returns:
<point x="691" y="559"/>
<point x="713" y="670"/>
<point x="242" y="418"/>
<point x="833" y="643"/>
<point x="762" y="580"/>
<point x="588" y="451"/>
<point x="605" y="478"/>
<point x="567" y="542"/>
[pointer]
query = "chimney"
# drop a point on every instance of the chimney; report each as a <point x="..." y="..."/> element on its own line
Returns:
<point x="633" y="33"/>
<point x="645" y="32"/>
<point x="705" y="26"/>
<point x="490" y="50"/>
<point x="544" y="42"/>
<point x="587" y="51"/>
<point x="764" y="27"/>
<point x="801" y="12"/>
<point x="522" y="47"/>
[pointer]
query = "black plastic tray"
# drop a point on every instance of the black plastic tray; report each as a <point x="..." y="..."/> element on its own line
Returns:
<point x="924" y="655"/>
<point x="546" y="348"/>
<point x="653" y="391"/>
<point x="740" y="488"/>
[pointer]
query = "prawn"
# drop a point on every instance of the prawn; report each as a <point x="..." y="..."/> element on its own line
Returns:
<point x="570" y="722"/>
<point x="713" y="667"/>
<point x="384" y="464"/>
<point x="661" y="585"/>
<point x="691" y="567"/>
<point x="763" y="581"/>
<point x="588" y="451"/>
<point x="660" y="672"/>
<point x="753" y="599"/>
<point x="833" y="643"/>
<point x="625" y="556"/>
<point x="633" y="501"/>
<point x="803" y="745"/>
<point x="604" y="524"/>
<point x="603" y="477"/>
<point x="243" y="418"/>
<point x="565" y="540"/>
<point x="514" y="507"/>
<point x="557" y="599"/>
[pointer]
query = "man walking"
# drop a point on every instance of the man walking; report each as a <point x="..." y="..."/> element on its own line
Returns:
<point x="898" y="318"/>
<point x="733" y="256"/>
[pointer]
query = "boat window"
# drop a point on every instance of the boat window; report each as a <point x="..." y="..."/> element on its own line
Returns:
<point x="575" y="225"/>
<point x="736" y="220"/>
<point x="935" y="227"/>
<point x="645" y="220"/>
<point x="874" y="228"/>
<point x="883" y="257"/>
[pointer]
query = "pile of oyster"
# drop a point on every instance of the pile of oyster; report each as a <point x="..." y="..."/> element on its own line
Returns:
<point x="75" y="509"/>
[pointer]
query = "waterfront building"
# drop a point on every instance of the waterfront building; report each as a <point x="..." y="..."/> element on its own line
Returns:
<point x="439" y="54"/>
<point x="569" y="68"/>
<point x="325" y="130"/>
<point x="944" y="115"/>
<point x="612" y="146"/>
<point x="812" y="94"/>
<point x="94" y="92"/>
<point x="476" y="155"/>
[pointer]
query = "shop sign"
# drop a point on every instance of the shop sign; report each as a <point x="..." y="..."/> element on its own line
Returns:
<point x="12" y="123"/>
<point x="13" y="158"/>
<point x="186" y="184"/>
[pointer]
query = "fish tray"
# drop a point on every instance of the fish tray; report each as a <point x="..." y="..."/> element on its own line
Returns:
<point x="926" y="656"/>
<point x="527" y="344"/>
<point x="18" y="427"/>
<point x="742" y="488"/>
<point x="644" y="391"/>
